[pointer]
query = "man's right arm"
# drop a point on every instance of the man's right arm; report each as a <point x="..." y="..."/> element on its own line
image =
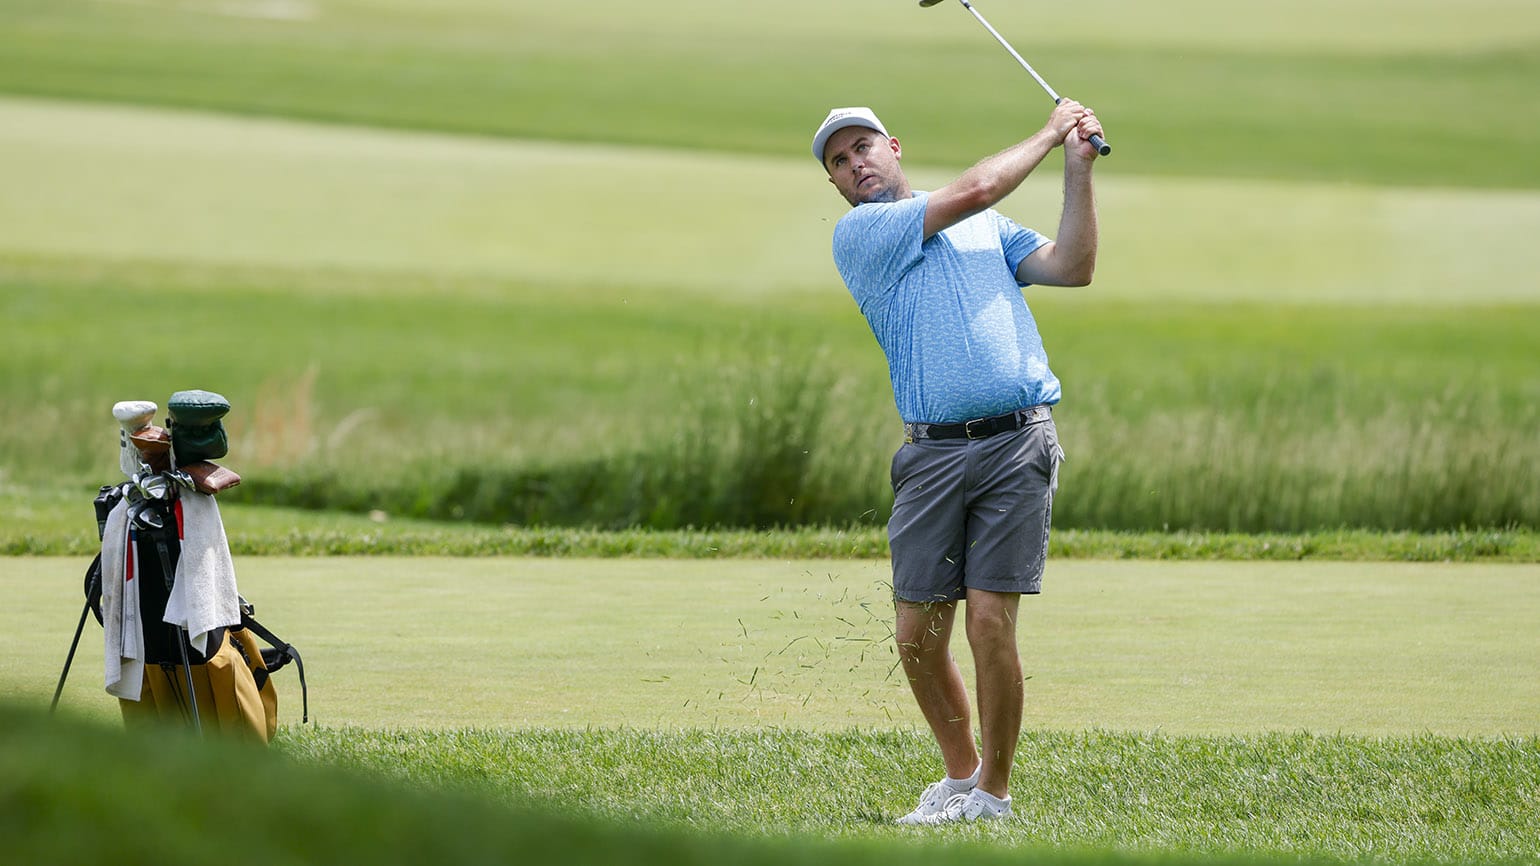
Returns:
<point x="993" y="178"/>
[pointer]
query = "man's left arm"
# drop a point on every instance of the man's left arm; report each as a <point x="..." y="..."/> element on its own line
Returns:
<point x="1070" y="259"/>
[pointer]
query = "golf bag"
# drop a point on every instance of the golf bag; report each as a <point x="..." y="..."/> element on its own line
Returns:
<point x="148" y="602"/>
<point x="229" y="687"/>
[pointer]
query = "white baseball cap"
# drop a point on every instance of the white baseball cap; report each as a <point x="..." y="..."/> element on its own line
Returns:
<point x="840" y="118"/>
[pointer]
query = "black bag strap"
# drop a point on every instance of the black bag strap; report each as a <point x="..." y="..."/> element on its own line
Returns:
<point x="278" y="657"/>
<point x="93" y="588"/>
<point x="106" y="499"/>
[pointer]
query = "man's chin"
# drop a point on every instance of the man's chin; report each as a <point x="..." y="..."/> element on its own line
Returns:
<point x="881" y="195"/>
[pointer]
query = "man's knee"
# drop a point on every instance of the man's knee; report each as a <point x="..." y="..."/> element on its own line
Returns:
<point x="922" y="631"/>
<point x="991" y="621"/>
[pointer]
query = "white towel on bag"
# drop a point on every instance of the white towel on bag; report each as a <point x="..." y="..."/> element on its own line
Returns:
<point x="204" y="596"/>
<point x="122" y="630"/>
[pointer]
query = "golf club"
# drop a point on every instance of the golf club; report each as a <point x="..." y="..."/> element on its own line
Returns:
<point x="74" y="644"/>
<point x="1096" y="141"/>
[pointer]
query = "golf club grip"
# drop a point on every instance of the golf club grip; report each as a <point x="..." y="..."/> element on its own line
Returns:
<point x="1101" y="145"/>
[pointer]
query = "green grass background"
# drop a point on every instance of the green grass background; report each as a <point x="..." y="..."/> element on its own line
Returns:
<point x="69" y="786"/>
<point x="52" y="521"/>
<point x="1184" y="647"/>
<point x="1362" y="90"/>
<point x="1416" y="416"/>
<point x="570" y="266"/>
<point x="1295" y="796"/>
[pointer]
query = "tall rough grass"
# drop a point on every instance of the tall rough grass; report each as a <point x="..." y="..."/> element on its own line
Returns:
<point x="1202" y="419"/>
<point x="1449" y="461"/>
<point x="784" y="444"/>
<point x="791" y="443"/>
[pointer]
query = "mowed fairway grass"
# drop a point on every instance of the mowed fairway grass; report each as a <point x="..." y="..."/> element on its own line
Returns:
<point x="752" y="797"/>
<point x="1197" y="88"/>
<point x="644" y="223"/>
<point x="1181" y="648"/>
<point x="1315" y="712"/>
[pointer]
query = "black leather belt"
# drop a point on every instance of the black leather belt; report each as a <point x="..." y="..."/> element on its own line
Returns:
<point x="978" y="428"/>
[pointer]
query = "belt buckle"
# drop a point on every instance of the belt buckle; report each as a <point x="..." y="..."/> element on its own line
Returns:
<point x="968" y="428"/>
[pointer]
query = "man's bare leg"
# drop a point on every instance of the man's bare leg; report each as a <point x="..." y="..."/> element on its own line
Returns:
<point x="991" y="627"/>
<point x="923" y="632"/>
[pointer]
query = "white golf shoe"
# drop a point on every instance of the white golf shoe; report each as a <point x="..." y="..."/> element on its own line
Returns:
<point x="976" y="805"/>
<point x="933" y="802"/>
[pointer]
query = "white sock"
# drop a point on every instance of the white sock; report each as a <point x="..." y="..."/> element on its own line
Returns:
<point x="967" y="784"/>
<point x="991" y="799"/>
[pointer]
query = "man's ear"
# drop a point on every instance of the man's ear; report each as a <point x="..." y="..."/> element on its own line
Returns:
<point x="898" y="149"/>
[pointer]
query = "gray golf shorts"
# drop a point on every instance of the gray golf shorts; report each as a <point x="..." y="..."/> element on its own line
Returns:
<point x="973" y="513"/>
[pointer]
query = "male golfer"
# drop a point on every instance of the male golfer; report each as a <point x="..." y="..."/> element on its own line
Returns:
<point x="939" y="277"/>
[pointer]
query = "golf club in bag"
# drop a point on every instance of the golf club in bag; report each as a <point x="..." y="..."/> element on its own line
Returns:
<point x="154" y="667"/>
<point x="1096" y="141"/>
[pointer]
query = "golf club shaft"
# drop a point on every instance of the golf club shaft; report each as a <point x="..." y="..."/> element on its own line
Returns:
<point x="69" y="659"/>
<point x="192" y="692"/>
<point x="1096" y="141"/>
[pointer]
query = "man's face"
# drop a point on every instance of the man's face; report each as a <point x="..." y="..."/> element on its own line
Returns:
<point x="863" y="166"/>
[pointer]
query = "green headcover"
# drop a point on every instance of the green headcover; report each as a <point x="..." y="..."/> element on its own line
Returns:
<point x="196" y="432"/>
<point x="197" y="408"/>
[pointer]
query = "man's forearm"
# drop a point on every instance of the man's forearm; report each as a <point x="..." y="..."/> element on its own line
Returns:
<point x="986" y="183"/>
<point x="1076" y="241"/>
<point x="993" y="178"/>
<point x="1003" y="172"/>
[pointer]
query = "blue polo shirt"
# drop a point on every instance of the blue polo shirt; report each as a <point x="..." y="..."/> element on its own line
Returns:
<point x="947" y="312"/>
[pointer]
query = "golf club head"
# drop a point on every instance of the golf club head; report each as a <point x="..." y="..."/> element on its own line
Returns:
<point x="154" y="486"/>
<point x="924" y="3"/>
<point x="143" y="517"/>
<point x="180" y="479"/>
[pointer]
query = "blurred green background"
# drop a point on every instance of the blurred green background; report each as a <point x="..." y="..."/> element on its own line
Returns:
<point x="569" y="264"/>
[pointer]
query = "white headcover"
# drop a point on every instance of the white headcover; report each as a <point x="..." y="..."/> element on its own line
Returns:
<point x="132" y="415"/>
